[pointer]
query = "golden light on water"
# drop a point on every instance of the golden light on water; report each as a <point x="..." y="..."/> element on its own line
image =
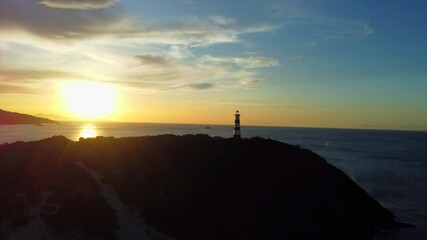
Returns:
<point x="88" y="131"/>
<point x="89" y="99"/>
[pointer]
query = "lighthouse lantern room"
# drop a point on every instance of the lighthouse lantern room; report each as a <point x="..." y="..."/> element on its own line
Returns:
<point x="236" y="132"/>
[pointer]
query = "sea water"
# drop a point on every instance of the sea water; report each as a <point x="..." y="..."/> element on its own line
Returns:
<point x="390" y="165"/>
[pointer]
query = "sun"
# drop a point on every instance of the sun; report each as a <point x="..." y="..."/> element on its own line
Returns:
<point x="89" y="100"/>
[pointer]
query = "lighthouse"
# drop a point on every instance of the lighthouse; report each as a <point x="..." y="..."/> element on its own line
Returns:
<point x="236" y="132"/>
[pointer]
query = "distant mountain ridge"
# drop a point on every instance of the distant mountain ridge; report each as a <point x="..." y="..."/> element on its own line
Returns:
<point x="13" y="118"/>
<point x="53" y="116"/>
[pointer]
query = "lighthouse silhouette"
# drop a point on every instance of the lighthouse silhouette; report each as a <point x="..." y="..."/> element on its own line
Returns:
<point x="236" y="132"/>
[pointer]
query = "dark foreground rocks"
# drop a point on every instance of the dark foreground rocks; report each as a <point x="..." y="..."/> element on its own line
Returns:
<point x="187" y="187"/>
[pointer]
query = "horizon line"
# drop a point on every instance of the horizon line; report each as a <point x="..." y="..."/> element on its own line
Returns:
<point x="414" y="129"/>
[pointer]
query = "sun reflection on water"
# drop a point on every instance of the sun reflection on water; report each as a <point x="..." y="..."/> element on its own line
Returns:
<point x="88" y="131"/>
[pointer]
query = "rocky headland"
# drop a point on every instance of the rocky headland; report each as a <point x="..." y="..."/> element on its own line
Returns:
<point x="13" y="118"/>
<point x="179" y="187"/>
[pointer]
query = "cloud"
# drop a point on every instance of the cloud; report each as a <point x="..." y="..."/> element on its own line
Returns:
<point x="102" y="44"/>
<point x="157" y="72"/>
<point x="170" y="87"/>
<point x="78" y="4"/>
<point x="31" y="81"/>
<point x="250" y="62"/>
<point x="249" y="82"/>
<point x="152" y="60"/>
<point x="154" y="73"/>
<point x="179" y="51"/>
<point x="22" y="75"/>
<point x="200" y="86"/>
<point x="197" y="35"/>
<point x="221" y="20"/>
<point x="58" y="24"/>
<point x="64" y="25"/>
<point x="16" y="89"/>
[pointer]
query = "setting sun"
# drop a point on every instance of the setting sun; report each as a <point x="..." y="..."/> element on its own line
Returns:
<point x="89" y="99"/>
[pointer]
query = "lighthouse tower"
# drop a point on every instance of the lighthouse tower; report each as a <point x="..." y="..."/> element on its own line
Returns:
<point x="236" y="132"/>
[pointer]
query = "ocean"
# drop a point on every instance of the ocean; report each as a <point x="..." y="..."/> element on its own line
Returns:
<point x="390" y="165"/>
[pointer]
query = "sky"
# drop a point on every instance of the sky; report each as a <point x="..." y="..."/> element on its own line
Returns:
<point x="304" y="63"/>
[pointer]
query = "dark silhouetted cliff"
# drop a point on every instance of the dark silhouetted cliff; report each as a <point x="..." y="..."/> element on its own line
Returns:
<point x="12" y="118"/>
<point x="187" y="187"/>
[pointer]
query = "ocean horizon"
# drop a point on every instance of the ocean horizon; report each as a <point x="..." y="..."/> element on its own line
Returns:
<point x="72" y="129"/>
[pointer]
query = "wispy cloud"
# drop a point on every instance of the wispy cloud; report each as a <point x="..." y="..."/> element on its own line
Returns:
<point x="179" y="51"/>
<point x="222" y="20"/>
<point x="200" y="86"/>
<point x="21" y="75"/>
<point x="249" y="62"/>
<point x="200" y="35"/>
<point x="108" y="45"/>
<point x="17" y="89"/>
<point x="202" y="73"/>
<point x="35" y="81"/>
<point x="57" y="24"/>
<point x="156" y="86"/>
<point x="65" y="25"/>
<point x="152" y="60"/>
<point x="78" y="4"/>
<point x="155" y="72"/>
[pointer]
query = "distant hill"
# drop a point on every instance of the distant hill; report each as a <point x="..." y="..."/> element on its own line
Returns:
<point x="12" y="118"/>
<point x="186" y="187"/>
<point x="53" y="116"/>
